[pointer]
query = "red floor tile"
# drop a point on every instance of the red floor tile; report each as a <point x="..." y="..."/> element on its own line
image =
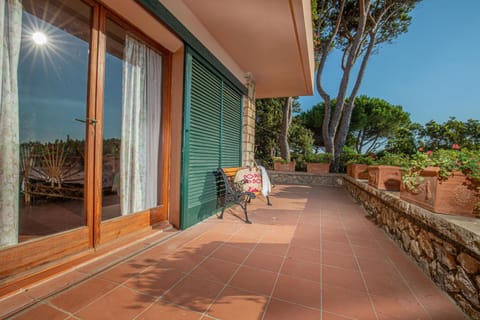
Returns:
<point x="337" y="247"/>
<point x="305" y="254"/>
<point x="277" y="249"/>
<point x="164" y="310"/>
<point x="301" y="269"/>
<point x="343" y="278"/>
<point x="215" y="270"/>
<point x="235" y="304"/>
<point x="277" y="237"/>
<point x="335" y="236"/>
<point x="315" y="243"/>
<point x="231" y="254"/>
<point x="368" y="253"/>
<point x="348" y="303"/>
<point x="300" y="291"/>
<point x="242" y="237"/>
<point x="16" y="302"/>
<point x="181" y="261"/>
<point x="398" y="306"/>
<point x="43" y="311"/>
<point x="194" y="293"/>
<point x="121" y="303"/>
<point x="82" y="295"/>
<point x="261" y="260"/>
<point x="256" y="280"/>
<point x="203" y="247"/>
<point x="282" y="310"/>
<point x="439" y="306"/>
<point x="56" y="284"/>
<point x="344" y="261"/>
<point x="331" y="316"/>
<point x="377" y="266"/>
<point x="123" y="271"/>
<point x="385" y="284"/>
<point x="155" y="281"/>
<point x="365" y="242"/>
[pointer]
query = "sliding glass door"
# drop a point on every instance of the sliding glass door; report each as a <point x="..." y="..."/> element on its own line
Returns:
<point x="81" y="130"/>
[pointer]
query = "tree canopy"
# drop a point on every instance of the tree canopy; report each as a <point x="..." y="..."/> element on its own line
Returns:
<point x="443" y="135"/>
<point x="373" y="122"/>
<point x="268" y="130"/>
<point x="356" y="28"/>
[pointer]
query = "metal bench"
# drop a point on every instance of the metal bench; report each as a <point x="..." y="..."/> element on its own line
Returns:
<point x="234" y="192"/>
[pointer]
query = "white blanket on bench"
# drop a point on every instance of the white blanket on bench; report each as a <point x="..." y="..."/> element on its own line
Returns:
<point x="266" y="185"/>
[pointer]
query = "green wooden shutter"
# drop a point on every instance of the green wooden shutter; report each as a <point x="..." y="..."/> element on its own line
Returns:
<point x="212" y="138"/>
<point x="231" y="128"/>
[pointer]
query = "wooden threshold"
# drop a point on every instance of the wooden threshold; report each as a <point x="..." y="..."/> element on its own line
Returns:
<point x="19" y="282"/>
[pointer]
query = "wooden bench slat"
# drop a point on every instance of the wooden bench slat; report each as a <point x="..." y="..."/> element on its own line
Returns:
<point x="231" y="172"/>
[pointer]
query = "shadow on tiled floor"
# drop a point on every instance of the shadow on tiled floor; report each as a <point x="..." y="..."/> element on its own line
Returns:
<point x="312" y="255"/>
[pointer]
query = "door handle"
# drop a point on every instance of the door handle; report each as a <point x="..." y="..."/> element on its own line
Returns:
<point x="91" y="121"/>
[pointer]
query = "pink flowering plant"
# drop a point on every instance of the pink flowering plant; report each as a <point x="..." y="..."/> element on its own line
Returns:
<point x="448" y="161"/>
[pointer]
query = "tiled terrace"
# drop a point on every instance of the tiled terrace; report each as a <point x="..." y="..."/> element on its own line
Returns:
<point x="312" y="255"/>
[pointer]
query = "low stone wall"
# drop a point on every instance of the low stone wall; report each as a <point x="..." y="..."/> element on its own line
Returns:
<point x="304" y="178"/>
<point x="447" y="248"/>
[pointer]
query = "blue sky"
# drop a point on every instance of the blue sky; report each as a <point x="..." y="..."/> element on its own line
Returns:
<point x="433" y="71"/>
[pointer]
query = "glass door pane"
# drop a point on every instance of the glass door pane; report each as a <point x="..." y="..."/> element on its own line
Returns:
<point x="52" y="100"/>
<point x="132" y="123"/>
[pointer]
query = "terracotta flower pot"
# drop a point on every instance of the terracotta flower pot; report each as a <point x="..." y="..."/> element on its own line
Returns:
<point x="358" y="171"/>
<point x="280" y="166"/>
<point x="385" y="177"/>
<point x="321" y="168"/>
<point x="454" y="195"/>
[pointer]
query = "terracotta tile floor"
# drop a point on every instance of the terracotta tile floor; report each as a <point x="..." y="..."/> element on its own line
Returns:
<point x="312" y="255"/>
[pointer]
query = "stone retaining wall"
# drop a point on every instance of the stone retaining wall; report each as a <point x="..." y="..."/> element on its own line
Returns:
<point x="447" y="248"/>
<point x="304" y="178"/>
<point x="248" y="121"/>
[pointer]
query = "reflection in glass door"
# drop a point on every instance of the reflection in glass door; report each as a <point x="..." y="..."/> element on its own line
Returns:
<point x="49" y="46"/>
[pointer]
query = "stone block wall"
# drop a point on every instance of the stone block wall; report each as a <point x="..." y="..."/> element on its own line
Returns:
<point x="304" y="178"/>
<point x="446" y="248"/>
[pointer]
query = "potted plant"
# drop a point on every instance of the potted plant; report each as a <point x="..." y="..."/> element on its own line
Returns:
<point x="444" y="181"/>
<point x="386" y="173"/>
<point x="280" y="164"/>
<point x="318" y="163"/>
<point x="357" y="166"/>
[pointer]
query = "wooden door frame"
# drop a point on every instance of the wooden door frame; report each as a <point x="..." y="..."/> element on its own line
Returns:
<point x="109" y="230"/>
<point x="27" y="259"/>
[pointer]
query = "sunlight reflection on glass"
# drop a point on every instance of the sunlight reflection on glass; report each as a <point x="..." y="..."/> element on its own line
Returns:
<point x="47" y="43"/>
<point x="39" y="38"/>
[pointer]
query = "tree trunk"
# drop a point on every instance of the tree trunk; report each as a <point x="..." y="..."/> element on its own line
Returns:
<point x="342" y="130"/>
<point x="286" y="121"/>
<point x="336" y="122"/>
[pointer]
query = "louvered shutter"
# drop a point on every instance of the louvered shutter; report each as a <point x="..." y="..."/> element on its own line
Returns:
<point x="212" y="138"/>
<point x="231" y="128"/>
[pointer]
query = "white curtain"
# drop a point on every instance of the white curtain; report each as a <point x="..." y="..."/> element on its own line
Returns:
<point x="141" y="120"/>
<point x="154" y="118"/>
<point x="10" y="36"/>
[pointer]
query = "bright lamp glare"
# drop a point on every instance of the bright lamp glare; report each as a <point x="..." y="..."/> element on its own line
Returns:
<point x="39" y="38"/>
